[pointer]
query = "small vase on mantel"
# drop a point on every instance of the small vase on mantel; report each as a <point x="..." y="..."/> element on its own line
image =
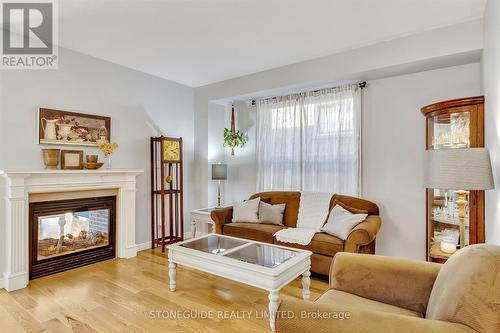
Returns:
<point x="51" y="158"/>
<point x="107" y="149"/>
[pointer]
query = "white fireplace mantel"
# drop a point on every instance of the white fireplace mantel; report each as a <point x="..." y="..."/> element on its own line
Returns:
<point x="14" y="223"/>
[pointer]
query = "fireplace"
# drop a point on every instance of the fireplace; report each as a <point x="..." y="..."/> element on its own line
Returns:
<point x="65" y="234"/>
<point x="20" y="189"/>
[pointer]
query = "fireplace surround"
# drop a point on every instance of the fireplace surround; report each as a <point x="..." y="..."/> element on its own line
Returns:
<point x="17" y="187"/>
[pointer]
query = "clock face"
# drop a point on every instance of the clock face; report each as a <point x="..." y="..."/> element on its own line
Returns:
<point x="171" y="150"/>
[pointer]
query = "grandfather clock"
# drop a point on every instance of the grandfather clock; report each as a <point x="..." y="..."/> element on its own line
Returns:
<point x="167" y="218"/>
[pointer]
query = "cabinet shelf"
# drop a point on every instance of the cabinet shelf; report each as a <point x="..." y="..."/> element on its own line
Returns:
<point x="450" y="222"/>
<point x="448" y="146"/>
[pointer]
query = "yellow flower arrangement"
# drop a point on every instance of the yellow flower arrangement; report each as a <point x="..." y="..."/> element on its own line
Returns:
<point x="106" y="147"/>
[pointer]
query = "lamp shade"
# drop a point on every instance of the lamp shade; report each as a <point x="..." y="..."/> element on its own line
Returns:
<point x="459" y="169"/>
<point x="219" y="171"/>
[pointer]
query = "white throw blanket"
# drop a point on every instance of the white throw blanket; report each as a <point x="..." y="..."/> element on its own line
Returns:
<point x="313" y="210"/>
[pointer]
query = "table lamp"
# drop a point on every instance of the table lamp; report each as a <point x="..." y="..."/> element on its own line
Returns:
<point x="461" y="170"/>
<point x="219" y="172"/>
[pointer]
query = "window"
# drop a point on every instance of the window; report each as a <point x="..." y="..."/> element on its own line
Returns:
<point x="310" y="141"/>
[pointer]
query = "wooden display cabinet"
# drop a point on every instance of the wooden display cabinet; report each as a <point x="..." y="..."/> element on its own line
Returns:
<point x="454" y="124"/>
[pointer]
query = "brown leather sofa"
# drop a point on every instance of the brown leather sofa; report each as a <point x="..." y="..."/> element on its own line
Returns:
<point x="386" y="294"/>
<point x="324" y="246"/>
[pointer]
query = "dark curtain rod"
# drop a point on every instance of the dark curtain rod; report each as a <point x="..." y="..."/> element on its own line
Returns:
<point x="361" y="85"/>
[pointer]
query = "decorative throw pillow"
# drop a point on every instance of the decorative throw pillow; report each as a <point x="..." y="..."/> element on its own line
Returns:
<point x="271" y="214"/>
<point x="341" y="222"/>
<point x="246" y="211"/>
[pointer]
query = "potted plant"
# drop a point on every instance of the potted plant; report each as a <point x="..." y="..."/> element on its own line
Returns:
<point x="232" y="137"/>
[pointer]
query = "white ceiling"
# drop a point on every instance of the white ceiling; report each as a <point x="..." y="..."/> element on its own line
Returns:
<point x="197" y="42"/>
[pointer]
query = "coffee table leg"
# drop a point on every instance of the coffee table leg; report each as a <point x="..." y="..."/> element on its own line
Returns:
<point x="171" y="272"/>
<point x="306" y="282"/>
<point x="274" y="302"/>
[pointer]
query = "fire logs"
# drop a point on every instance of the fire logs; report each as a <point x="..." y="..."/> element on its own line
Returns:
<point x="49" y="246"/>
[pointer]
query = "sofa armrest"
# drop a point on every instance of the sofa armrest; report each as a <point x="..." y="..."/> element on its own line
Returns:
<point x="221" y="216"/>
<point x="363" y="234"/>
<point x="303" y="316"/>
<point x="400" y="282"/>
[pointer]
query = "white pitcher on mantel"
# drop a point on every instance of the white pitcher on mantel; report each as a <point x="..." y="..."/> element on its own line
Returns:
<point x="49" y="129"/>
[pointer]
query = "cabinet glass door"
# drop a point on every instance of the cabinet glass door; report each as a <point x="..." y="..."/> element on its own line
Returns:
<point x="447" y="131"/>
<point x="450" y="130"/>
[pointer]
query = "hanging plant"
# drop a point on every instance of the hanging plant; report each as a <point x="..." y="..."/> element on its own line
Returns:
<point x="232" y="137"/>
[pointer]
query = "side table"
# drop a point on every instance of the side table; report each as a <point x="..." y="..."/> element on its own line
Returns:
<point x="201" y="215"/>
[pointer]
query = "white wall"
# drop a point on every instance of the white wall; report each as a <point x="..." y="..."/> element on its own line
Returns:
<point x="242" y="166"/>
<point x="491" y="86"/>
<point x="201" y="175"/>
<point x="393" y="150"/>
<point x="216" y="151"/>
<point x="140" y="106"/>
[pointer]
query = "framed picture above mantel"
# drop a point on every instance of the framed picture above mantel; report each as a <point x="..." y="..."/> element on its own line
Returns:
<point x="71" y="128"/>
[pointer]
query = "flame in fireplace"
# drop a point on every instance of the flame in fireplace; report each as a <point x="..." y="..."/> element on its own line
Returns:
<point x="68" y="217"/>
<point x="76" y="231"/>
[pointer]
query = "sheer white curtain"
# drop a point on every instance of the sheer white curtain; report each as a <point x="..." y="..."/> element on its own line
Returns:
<point x="310" y="141"/>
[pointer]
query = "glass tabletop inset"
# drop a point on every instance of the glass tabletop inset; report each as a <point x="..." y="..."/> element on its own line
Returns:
<point x="262" y="255"/>
<point x="214" y="244"/>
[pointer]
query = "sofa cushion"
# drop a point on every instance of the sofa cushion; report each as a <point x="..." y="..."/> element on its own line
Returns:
<point x="255" y="231"/>
<point x="271" y="214"/>
<point x="291" y="199"/>
<point x="246" y="211"/>
<point x="341" y="221"/>
<point x="341" y="298"/>
<point x="321" y="243"/>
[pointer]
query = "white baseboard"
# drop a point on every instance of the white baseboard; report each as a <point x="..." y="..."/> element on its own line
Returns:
<point x="147" y="245"/>
<point x="15" y="281"/>
<point x="143" y="246"/>
<point x="199" y="233"/>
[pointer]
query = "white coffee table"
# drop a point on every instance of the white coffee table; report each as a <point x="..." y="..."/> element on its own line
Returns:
<point x="266" y="266"/>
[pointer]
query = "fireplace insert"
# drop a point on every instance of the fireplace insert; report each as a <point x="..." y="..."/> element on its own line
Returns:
<point x="66" y="234"/>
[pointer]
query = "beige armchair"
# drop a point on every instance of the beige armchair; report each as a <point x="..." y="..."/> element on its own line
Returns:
<point x="384" y="294"/>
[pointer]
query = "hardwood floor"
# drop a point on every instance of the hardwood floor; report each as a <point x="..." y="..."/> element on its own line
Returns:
<point x="132" y="296"/>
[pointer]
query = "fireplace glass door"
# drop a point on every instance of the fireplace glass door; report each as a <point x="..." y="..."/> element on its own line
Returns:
<point x="64" y="233"/>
